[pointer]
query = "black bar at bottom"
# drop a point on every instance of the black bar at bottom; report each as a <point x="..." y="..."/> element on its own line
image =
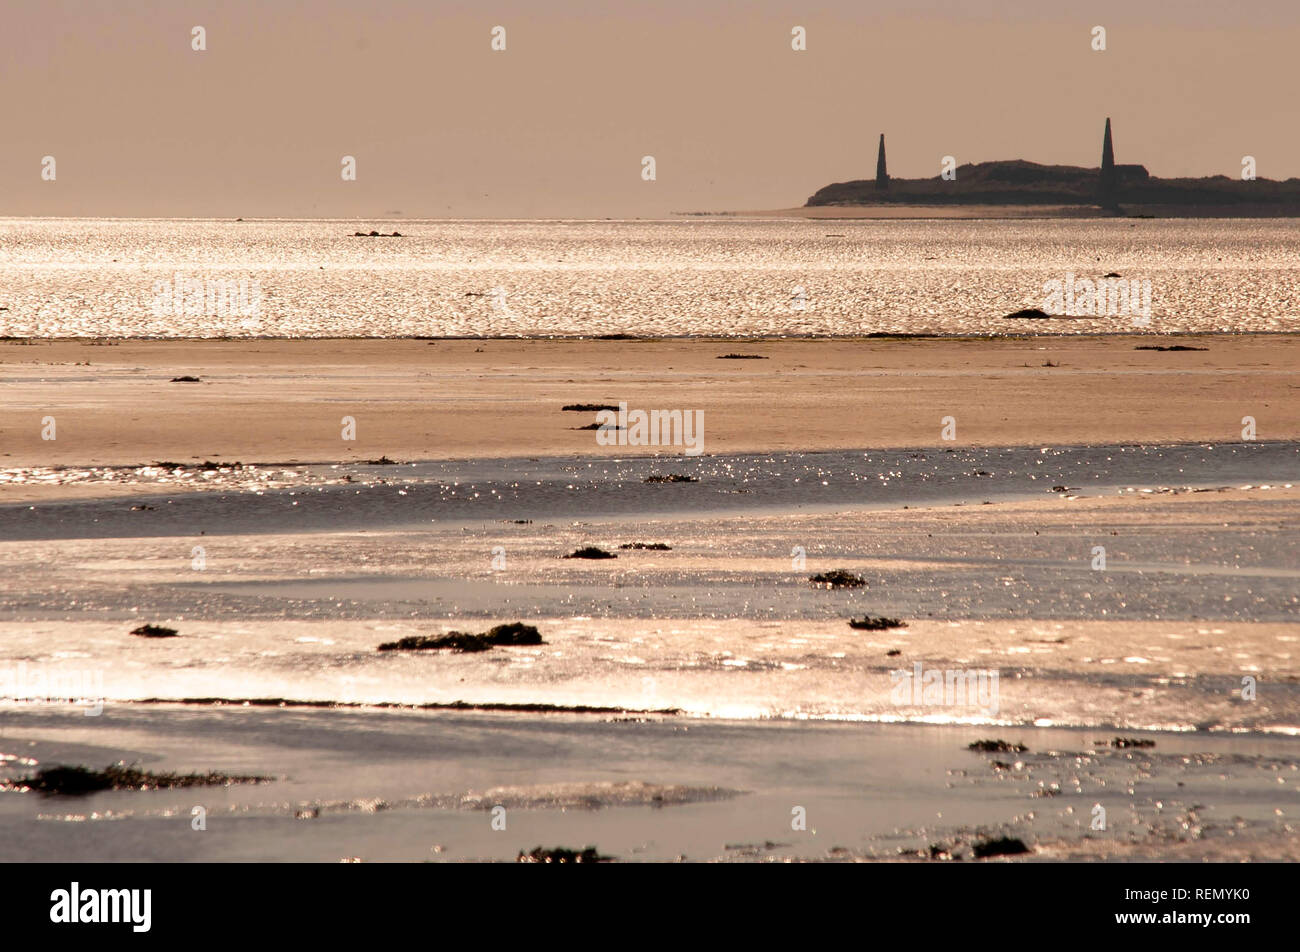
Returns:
<point x="319" y="902"/>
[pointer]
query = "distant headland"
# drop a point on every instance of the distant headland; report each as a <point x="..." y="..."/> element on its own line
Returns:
<point x="1067" y="189"/>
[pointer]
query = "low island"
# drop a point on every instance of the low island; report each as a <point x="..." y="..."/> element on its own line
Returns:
<point x="1019" y="188"/>
<point x="1066" y="190"/>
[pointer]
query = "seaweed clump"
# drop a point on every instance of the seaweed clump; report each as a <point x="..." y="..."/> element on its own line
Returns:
<point x="871" y="623"/>
<point x="207" y="466"/>
<point x="590" y="552"/>
<point x="1003" y="846"/>
<point x="561" y="854"/>
<point x="655" y="546"/>
<point x="996" y="747"/>
<point x="837" y="578"/>
<point x="515" y="633"/>
<point x="79" y="781"/>
<point x="154" y="631"/>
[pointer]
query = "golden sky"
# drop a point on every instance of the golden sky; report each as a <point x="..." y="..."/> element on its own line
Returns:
<point x="557" y="124"/>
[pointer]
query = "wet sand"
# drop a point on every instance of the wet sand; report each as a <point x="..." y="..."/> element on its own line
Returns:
<point x="761" y="669"/>
<point x="283" y="580"/>
<point x="1198" y="591"/>
<point x="457" y="786"/>
<point x="277" y="401"/>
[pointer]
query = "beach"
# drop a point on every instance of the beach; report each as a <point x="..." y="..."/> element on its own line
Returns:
<point x="115" y="404"/>
<point x="666" y="469"/>
<point x="1091" y="544"/>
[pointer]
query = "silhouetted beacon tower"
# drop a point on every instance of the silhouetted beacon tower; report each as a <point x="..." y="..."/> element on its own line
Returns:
<point x="882" y="176"/>
<point x="1107" y="164"/>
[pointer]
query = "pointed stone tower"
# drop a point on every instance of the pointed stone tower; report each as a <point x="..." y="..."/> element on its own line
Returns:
<point x="882" y="174"/>
<point x="1108" y="178"/>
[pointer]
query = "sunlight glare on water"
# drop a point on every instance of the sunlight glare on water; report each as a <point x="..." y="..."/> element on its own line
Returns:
<point x="99" y="277"/>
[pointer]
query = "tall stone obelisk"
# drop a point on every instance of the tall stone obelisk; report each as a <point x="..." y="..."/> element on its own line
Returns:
<point x="882" y="175"/>
<point x="1108" y="180"/>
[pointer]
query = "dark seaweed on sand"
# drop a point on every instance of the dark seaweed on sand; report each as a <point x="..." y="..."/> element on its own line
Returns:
<point x="996" y="747"/>
<point x="186" y="379"/>
<point x="871" y="623"/>
<point x="589" y="407"/>
<point x="590" y="552"/>
<point x="1003" y="846"/>
<point x="1170" y="347"/>
<point x="207" y="466"/>
<point x="837" y="578"/>
<point x="515" y="633"/>
<point x="561" y="854"/>
<point x="154" y="631"/>
<point x="1123" y="743"/>
<point x="741" y="357"/>
<point x="78" y="781"/>
<point x="656" y="546"/>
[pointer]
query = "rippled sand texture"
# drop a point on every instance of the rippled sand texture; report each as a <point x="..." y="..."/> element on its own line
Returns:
<point x="317" y="279"/>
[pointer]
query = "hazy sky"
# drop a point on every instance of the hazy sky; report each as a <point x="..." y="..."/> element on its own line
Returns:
<point x="557" y="124"/>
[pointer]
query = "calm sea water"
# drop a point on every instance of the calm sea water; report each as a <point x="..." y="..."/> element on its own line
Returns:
<point x="196" y="278"/>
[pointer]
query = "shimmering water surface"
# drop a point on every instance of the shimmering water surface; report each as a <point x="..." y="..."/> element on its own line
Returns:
<point x="351" y="496"/>
<point x="403" y="786"/>
<point x="287" y="590"/>
<point x="70" y="277"/>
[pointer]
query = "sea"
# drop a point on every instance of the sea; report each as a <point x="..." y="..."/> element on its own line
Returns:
<point x="699" y="277"/>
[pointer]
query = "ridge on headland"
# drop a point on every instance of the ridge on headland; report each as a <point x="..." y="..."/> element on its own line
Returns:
<point x="1020" y="182"/>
